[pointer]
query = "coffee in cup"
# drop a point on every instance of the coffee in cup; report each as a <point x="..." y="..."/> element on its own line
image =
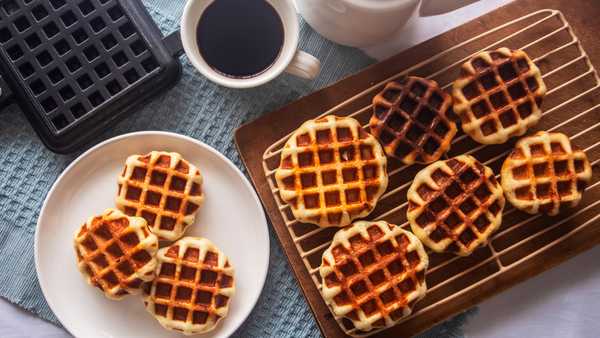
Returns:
<point x="240" y="38"/>
<point x="244" y="43"/>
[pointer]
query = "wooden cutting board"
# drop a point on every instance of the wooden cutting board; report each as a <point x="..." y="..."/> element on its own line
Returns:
<point x="562" y="37"/>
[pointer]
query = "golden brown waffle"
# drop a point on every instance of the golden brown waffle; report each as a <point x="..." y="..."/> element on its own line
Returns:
<point x="331" y="172"/>
<point x="193" y="286"/>
<point x="545" y="173"/>
<point x="498" y="95"/>
<point x="164" y="189"/>
<point x="455" y="205"/>
<point x="116" y="253"/>
<point x="373" y="274"/>
<point x="410" y="118"/>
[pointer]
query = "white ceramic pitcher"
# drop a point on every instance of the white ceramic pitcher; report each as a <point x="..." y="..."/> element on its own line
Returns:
<point x="357" y="23"/>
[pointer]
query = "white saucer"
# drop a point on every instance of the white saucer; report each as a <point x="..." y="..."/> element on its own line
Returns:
<point x="231" y="217"/>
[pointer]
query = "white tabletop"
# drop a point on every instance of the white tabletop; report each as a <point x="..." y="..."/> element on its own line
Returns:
<point x="563" y="302"/>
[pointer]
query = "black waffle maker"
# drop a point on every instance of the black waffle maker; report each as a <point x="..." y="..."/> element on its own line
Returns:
<point x="77" y="66"/>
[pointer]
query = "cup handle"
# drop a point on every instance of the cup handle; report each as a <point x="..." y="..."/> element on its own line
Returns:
<point x="304" y="65"/>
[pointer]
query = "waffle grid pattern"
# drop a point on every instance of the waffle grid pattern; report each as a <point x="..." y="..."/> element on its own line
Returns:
<point x="498" y="95"/>
<point x="410" y="118"/>
<point x="455" y="205"/>
<point x="545" y="173"/>
<point x="72" y="57"/>
<point x="331" y="172"/>
<point x="193" y="287"/>
<point x="116" y="253"/>
<point x="164" y="189"/>
<point x="373" y="273"/>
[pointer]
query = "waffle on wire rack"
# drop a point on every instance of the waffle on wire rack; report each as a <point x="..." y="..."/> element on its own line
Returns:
<point x="545" y="173"/>
<point x="498" y="95"/>
<point x="411" y="118"/>
<point x="455" y="205"/>
<point x="331" y="172"/>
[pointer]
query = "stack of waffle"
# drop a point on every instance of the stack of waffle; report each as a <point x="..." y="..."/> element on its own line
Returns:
<point x="188" y="284"/>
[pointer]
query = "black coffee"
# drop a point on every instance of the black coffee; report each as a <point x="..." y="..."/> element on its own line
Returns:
<point x="240" y="38"/>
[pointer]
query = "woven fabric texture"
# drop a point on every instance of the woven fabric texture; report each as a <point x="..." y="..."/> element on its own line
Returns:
<point x="197" y="108"/>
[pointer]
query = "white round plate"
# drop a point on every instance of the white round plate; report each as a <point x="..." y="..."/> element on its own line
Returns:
<point x="231" y="217"/>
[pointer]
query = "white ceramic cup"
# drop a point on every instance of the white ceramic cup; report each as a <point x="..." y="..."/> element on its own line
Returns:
<point x="290" y="59"/>
<point x="357" y="23"/>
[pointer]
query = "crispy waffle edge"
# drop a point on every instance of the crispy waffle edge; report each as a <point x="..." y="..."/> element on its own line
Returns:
<point x="341" y="238"/>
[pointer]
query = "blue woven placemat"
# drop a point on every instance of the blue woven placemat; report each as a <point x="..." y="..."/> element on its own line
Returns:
<point x="195" y="107"/>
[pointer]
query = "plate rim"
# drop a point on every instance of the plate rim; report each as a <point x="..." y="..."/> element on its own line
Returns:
<point x="159" y="133"/>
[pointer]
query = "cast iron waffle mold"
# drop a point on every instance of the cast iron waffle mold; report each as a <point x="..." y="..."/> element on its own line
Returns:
<point x="77" y="66"/>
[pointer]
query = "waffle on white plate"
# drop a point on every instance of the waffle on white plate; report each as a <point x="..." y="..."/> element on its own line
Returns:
<point x="116" y="253"/>
<point x="455" y="205"/>
<point x="411" y="119"/>
<point x="331" y="172"/>
<point x="545" y="173"/>
<point x="193" y="286"/>
<point x="373" y="273"/>
<point x="498" y="95"/>
<point x="164" y="189"/>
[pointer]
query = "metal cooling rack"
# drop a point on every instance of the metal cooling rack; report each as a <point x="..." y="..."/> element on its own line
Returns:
<point x="552" y="44"/>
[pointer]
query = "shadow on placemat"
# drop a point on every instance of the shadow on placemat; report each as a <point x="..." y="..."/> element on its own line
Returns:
<point x="197" y="108"/>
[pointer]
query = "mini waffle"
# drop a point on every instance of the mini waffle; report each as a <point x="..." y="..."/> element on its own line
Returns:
<point x="410" y="118"/>
<point x="373" y="273"/>
<point x="164" y="189"/>
<point x="115" y="253"/>
<point x="498" y="95"/>
<point x="545" y="173"/>
<point x="193" y="286"/>
<point x="331" y="172"/>
<point x="455" y="205"/>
